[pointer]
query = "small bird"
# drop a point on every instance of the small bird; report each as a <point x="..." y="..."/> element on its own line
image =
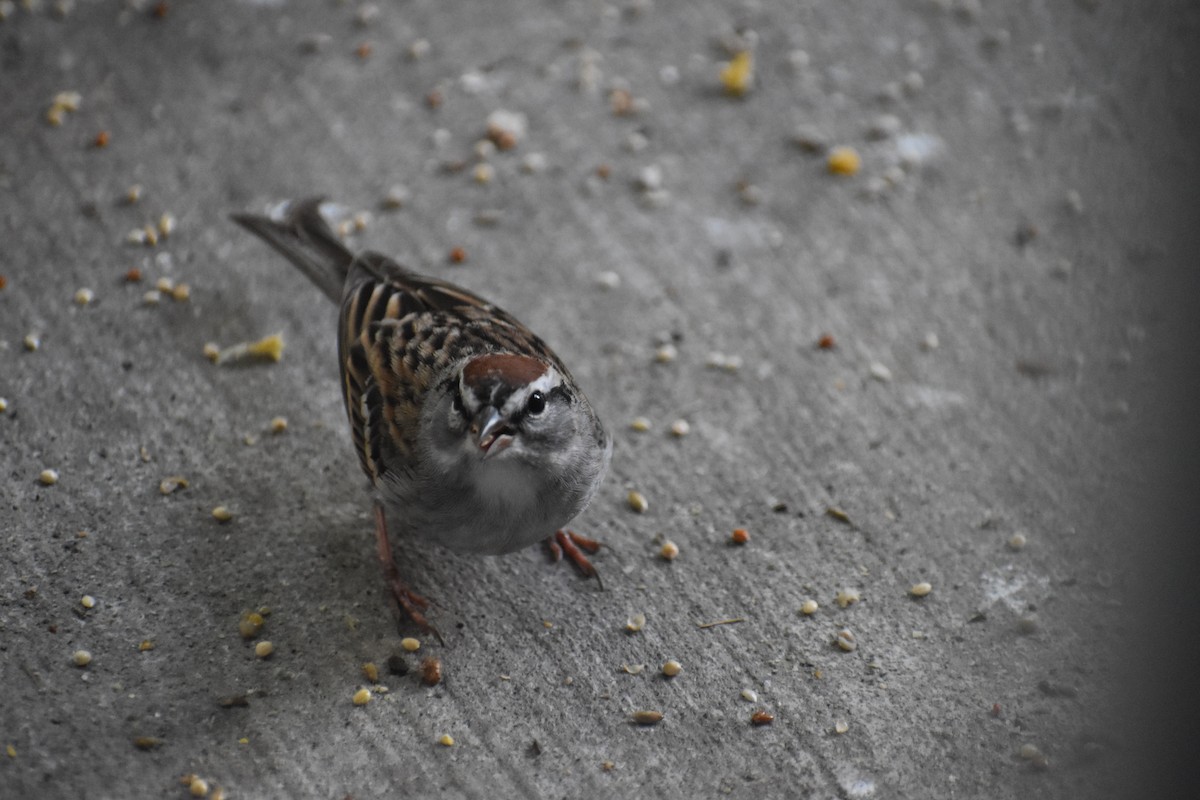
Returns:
<point x="472" y="432"/>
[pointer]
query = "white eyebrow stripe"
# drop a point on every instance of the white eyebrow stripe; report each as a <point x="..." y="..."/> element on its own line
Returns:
<point x="545" y="382"/>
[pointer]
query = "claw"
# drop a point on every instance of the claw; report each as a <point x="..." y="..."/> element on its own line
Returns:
<point x="573" y="545"/>
<point x="408" y="603"/>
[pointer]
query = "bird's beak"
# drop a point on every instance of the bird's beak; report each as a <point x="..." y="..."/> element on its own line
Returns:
<point x="491" y="432"/>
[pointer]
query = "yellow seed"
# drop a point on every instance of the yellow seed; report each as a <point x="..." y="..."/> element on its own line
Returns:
<point x="32" y="342"/>
<point x="250" y="624"/>
<point x="844" y="161"/>
<point x="669" y="550"/>
<point x="640" y="424"/>
<point x="362" y="697"/>
<point x="370" y="672"/>
<point x="198" y="787"/>
<point x="921" y="589"/>
<point x="666" y="354"/>
<point x="637" y="501"/>
<point x="166" y="225"/>
<point x="87" y="601"/>
<point x="446" y="740"/>
<point x="1029" y="752"/>
<point x="244" y="740"/>
<point x="149" y="235"/>
<point x="145" y="645"/>
<point x="133" y="194"/>
<point x="222" y="514"/>
<point x="181" y="293"/>
<point x="165" y="285"/>
<point x="264" y="649"/>
<point x="279" y="424"/>
<point x="84" y="296"/>
<point x="738" y="75"/>
<point x="483" y="173"/>
<point x="3" y="405"/>
<point x="48" y="477"/>
<point x="12" y="751"/>
<point x="172" y="483"/>
<point x="410" y="644"/>
<point x="841" y="726"/>
<point x="635" y="623"/>
<point x="218" y="794"/>
<point x="81" y="658"/>
<point x="671" y="668"/>
<point x="68" y="101"/>
<point x="847" y="597"/>
<point x="211" y="351"/>
<point x="809" y="607"/>
<point x="54" y="115"/>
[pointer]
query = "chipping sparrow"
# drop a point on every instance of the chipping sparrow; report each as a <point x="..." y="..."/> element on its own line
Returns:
<point x="471" y="430"/>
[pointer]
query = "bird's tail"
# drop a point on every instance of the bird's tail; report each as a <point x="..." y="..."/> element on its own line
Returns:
<point x="299" y="232"/>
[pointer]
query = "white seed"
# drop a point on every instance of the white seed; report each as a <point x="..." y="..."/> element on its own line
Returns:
<point x="666" y="354"/>
<point x="640" y="424"/>
<point x="880" y="372"/>
<point x="3" y="405"/>
<point x="152" y="297"/>
<point x="846" y="641"/>
<point x="279" y="424"/>
<point x="635" y="623"/>
<point x="396" y="197"/>
<point x="361" y="697"/>
<point x="81" y="658"/>
<point x="680" y="427"/>
<point x="671" y="668"/>
<point x="211" y="351"/>
<point x="637" y="501"/>
<point x="87" y="601"/>
<point x="847" y="597"/>
<point x="410" y="644"/>
<point x="1016" y="541"/>
<point x="483" y="173"/>
<point x="222" y="514"/>
<point x="1029" y="752"/>
<point x="608" y="280"/>
<point x="633" y="669"/>
<point x="669" y="550"/>
<point x="32" y="342"/>
<point x="166" y="225"/>
<point x="264" y="649"/>
<point x="809" y="607"/>
<point x="921" y="589"/>
<point x="48" y="477"/>
<point x="84" y="296"/>
<point x="749" y="695"/>
<point x="841" y="726"/>
<point x="930" y="342"/>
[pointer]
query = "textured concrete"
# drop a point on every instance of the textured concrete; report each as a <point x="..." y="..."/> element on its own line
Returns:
<point x="1026" y="210"/>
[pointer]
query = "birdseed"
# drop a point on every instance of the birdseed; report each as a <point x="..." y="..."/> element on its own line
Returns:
<point x="181" y="293"/>
<point x="264" y="649"/>
<point x="250" y="624"/>
<point x="749" y="695"/>
<point x="671" y="668"/>
<point x="446" y="740"/>
<point x="666" y="354"/>
<point x="145" y="646"/>
<point x="847" y="597"/>
<point x="361" y="697"/>
<point x="431" y="671"/>
<point x="87" y="601"/>
<point x="635" y="623"/>
<point x="370" y="672"/>
<point x="809" y="607"/>
<point x="640" y="424"/>
<point x="1017" y="541"/>
<point x="843" y="161"/>
<point x="762" y="717"/>
<point x="279" y="424"/>
<point x="637" y="501"/>
<point x="647" y="717"/>
<point x="198" y="787"/>
<point x="48" y="477"/>
<point x="669" y="551"/>
<point x="32" y="342"/>
<point x="410" y="644"/>
<point x="81" y="658"/>
<point x="840" y="727"/>
<point x="921" y="589"/>
<point x="739" y="536"/>
<point x="845" y="641"/>
<point x="84" y="296"/>
<point x="222" y="514"/>
<point x="172" y="484"/>
<point x="737" y="77"/>
<point x="152" y="298"/>
<point x="680" y="428"/>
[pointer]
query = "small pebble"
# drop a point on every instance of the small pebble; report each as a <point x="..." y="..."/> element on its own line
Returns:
<point x="222" y="514"/>
<point x="680" y="428"/>
<point x="637" y="501"/>
<point x="264" y="649"/>
<point x="809" y="607"/>
<point x="410" y="644"/>
<point x="48" y="477"/>
<point x="81" y="658"/>
<point x="669" y="551"/>
<point x="362" y="697"/>
<point x="921" y="589"/>
<point x="671" y="668"/>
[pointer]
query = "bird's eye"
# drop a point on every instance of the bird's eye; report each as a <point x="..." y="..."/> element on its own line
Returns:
<point x="536" y="404"/>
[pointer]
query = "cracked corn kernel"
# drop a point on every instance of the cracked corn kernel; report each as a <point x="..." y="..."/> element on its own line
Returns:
<point x="87" y="601"/>
<point x="198" y="787"/>
<point x="845" y="641"/>
<point x="841" y="726"/>
<point x="738" y="75"/>
<point x="145" y="646"/>
<point x="635" y="623"/>
<point x="48" y="477"/>
<point x="264" y="649"/>
<point x="843" y="161"/>
<point x="222" y="514"/>
<point x="84" y="296"/>
<point x="637" y="501"/>
<point x="279" y="424"/>
<point x="410" y="644"/>
<point x="680" y="427"/>
<point x="671" y="668"/>
<point x="446" y="740"/>
<point x="81" y="658"/>
<point x="669" y="551"/>
<point x="362" y="697"/>
<point x="640" y="424"/>
<point x="250" y="624"/>
<point x="370" y="672"/>
<point x="921" y="589"/>
<point x="847" y="597"/>
<point x="809" y="607"/>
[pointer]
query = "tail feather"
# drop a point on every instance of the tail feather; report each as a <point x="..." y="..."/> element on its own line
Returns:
<point x="302" y="235"/>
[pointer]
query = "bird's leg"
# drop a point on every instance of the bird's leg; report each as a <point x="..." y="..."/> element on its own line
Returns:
<point x="573" y="545"/>
<point x="408" y="602"/>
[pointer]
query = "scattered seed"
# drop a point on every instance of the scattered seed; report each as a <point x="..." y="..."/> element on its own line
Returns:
<point x="1029" y="752"/>
<point x="738" y="75"/>
<point x="446" y="740"/>
<point x="637" y="501"/>
<point x="838" y="514"/>
<point x="212" y="352"/>
<point x="279" y="424"/>
<point x="250" y="624"/>
<point x="3" y="282"/>
<point x="506" y="128"/>
<point x="410" y="644"/>
<point x="81" y="658"/>
<point x="647" y="717"/>
<point x="921" y="589"/>
<point x="370" y="672"/>
<point x="640" y="424"/>
<point x="762" y="717"/>
<point x="87" y="601"/>
<point x="457" y="255"/>
<point x="1028" y="624"/>
<point x="843" y="161"/>
<point x="739" y="536"/>
<point x="826" y="341"/>
<point x="269" y="348"/>
<point x="172" y="484"/>
<point x="669" y="551"/>
<point x="680" y="428"/>
<point x="431" y="671"/>
<point x="671" y="668"/>
<point x="705" y="625"/>
<point x="3" y="405"/>
<point x="181" y="293"/>
<point x="48" y="477"/>
<point x="264" y="649"/>
<point x="846" y="641"/>
<point x="152" y="298"/>
<point x="145" y="646"/>
<point x="666" y="354"/>
<point x="880" y="372"/>
<point x="32" y="342"/>
<point x="133" y="194"/>
<point x="84" y="296"/>
<point x="809" y="607"/>
<point x="633" y="669"/>
<point x="608" y="280"/>
<point x="361" y="697"/>
<point x="397" y="197"/>
<point x="847" y="597"/>
<point x="198" y="787"/>
<point x="165" y="285"/>
<point x="841" y="726"/>
<point x="146" y="742"/>
<point x="635" y="623"/>
<point x="749" y="695"/>
<point x="483" y="173"/>
<point x="222" y="514"/>
<point x="930" y="342"/>
<point x="1016" y="541"/>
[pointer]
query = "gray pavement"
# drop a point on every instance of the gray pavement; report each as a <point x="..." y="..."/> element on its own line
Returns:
<point x="997" y="279"/>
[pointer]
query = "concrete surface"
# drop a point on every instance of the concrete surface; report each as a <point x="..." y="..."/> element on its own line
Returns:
<point x="1029" y="206"/>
